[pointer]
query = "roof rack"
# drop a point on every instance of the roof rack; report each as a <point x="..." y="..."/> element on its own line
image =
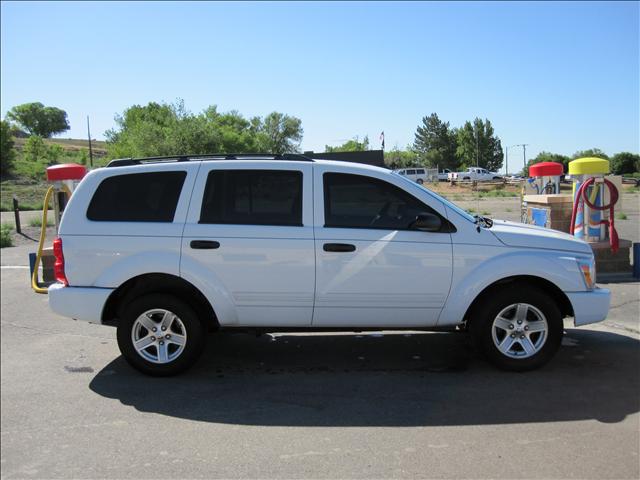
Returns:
<point x="123" y="162"/>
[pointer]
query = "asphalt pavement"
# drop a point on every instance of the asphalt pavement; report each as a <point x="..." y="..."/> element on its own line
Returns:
<point x="370" y="405"/>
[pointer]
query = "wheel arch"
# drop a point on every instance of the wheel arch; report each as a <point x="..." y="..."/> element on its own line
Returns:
<point x="561" y="299"/>
<point x="158" y="283"/>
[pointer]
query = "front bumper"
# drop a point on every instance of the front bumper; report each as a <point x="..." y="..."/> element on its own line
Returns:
<point x="79" y="303"/>
<point x="590" y="307"/>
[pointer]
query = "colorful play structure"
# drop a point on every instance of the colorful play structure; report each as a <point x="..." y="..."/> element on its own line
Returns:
<point x="63" y="180"/>
<point x="588" y="212"/>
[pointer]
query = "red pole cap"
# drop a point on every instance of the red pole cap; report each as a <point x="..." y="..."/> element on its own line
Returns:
<point x="66" y="171"/>
<point x="546" y="169"/>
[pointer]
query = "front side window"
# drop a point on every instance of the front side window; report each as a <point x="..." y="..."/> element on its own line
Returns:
<point x="357" y="201"/>
<point x="253" y="197"/>
<point x="411" y="172"/>
<point x="137" y="197"/>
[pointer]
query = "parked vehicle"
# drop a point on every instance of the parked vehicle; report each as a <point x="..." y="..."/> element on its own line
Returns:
<point x="166" y="249"/>
<point x="418" y="175"/>
<point x="475" y="174"/>
<point x="443" y="176"/>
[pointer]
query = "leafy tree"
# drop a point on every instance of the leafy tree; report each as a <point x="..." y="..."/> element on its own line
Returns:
<point x="625" y="162"/>
<point x="281" y="133"/>
<point x="548" y="157"/>
<point x="436" y="143"/>
<point x="397" y="158"/>
<point x="169" y="129"/>
<point x="34" y="149"/>
<point x="39" y="120"/>
<point x="7" y="152"/>
<point x="478" y="145"/>
<point x="592" y="152"/>
<point x="353" y="145"/>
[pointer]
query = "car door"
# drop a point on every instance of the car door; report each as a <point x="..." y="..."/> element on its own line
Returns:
<point x="372" y="269"/>
<point x="249" y="232"/>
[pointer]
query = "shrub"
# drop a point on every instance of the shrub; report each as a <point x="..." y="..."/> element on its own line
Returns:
<point x="5" y="235"/>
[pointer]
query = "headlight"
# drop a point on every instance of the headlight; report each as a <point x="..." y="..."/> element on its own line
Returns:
<point x="588" y="269"/>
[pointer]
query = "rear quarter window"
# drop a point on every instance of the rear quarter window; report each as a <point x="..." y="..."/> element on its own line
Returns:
<point x="137" y="197"/>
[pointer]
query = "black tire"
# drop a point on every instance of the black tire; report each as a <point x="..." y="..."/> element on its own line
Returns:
<point x="419" y="181"/>
<point x="194" y="333"/>
<point x="481" y="326"/>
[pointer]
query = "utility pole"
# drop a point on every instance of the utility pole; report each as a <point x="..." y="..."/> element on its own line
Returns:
<point x="90" y="147"/>
<point x="506" y="158"/>
<point x="524" y="154"/>
<point x="477" y="162"/>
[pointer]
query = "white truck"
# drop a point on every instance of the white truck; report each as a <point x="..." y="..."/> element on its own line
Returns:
<point x="474" y="174"/>
<point x="166" y="249"/>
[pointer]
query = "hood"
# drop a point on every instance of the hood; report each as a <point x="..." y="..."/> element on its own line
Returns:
<point x="522" y="235"/>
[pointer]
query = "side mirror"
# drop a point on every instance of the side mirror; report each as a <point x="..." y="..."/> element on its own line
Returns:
<point x="427" y="222"/>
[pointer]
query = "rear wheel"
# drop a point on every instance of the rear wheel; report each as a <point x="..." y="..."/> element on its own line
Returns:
<point x="518" y="328"/>
<point x="419" y="181"/>
<point x="160" y="335"/>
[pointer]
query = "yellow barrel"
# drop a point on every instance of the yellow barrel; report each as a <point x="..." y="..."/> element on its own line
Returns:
<point x="589" y="166"/>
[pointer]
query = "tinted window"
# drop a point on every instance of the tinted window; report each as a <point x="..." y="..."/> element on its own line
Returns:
<point x="420" y="171"/>
<point x="411" y="172"/>
<point x="356" y="201"/>
<point x="253" y="197"/>
<point x="137" y="197"/>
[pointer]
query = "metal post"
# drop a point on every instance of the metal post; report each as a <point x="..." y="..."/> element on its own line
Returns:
<point x="16" y="212"/>
<point x="506" y="157"/>
<point x="90" y="148"/>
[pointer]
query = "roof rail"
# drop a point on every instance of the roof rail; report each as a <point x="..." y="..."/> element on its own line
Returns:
<point x="123" y="162"/>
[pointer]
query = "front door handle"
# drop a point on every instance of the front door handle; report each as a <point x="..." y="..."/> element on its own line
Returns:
<point x="204" y="244"/>
<point x="339" y="247"/>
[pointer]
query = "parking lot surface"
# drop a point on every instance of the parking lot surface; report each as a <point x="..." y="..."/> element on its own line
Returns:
<point x="370" y="405"/>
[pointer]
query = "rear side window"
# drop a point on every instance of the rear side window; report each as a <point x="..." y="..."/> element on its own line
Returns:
<point x="420" y="171"/>
<point x="253" y="197"/>
<point x="357" y="201"/>
<point x="137" y="197"/>
<point x="411" y="172"/>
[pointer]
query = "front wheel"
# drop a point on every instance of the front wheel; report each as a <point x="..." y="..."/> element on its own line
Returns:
<point x="419" y="181"/>
<point x="518" y="328"/>
<point x="160" y="335"/>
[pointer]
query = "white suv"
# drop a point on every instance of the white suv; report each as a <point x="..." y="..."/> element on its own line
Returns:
<point x="168" y="248"/>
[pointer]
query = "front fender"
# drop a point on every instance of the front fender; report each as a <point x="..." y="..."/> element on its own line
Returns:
<point x="472" y="273"/>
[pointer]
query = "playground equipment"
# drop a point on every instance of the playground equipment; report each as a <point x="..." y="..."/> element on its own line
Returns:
<point x="63" y="179"/>
<point x="591" y="215"/>
<point x="542" y="203"/>
<point x="545" y="177"/>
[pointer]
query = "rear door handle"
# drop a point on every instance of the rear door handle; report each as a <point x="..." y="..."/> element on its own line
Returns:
<point x="339" y="247"/>
<point x="204" y="244"/>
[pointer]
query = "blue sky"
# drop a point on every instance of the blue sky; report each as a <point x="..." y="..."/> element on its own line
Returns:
<point x="558" y="76"/>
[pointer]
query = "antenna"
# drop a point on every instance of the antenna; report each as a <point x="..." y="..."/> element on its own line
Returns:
<point x="90" y="147"/>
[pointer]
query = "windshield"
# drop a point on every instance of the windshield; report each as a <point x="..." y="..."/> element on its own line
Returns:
<point x="449" y="204"/>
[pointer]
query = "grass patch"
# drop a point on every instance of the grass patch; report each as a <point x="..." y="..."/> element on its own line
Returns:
<point x="485" y="213"/>
<point x="497" y="194"/>
<point x="5" y="235"/>
<point x="37" y="222"/>
<point x="508" y="210"/>
<point x="30" y="194"/>
<point x="471" y="210"/>
<point x="621" y="216"/>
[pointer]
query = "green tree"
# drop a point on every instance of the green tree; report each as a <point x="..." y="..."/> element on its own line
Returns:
<point x="548" y="157"/>
<point x="39" y="120"/>
<point x="625" y="162"/>
<point x="34" y="149"/>
<point x="592" y="152"/>
<point x="397" y="158"/>
<point x="7" y="152"/>
<point x="478" y="145"/>
<point x="281" y="133"/>
<point x="169" y="129"/>
<point x="353" y="145"/>
<point x="436" y="143"/>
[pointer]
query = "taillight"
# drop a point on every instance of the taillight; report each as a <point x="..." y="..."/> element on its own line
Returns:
<point x="58" y="266"/>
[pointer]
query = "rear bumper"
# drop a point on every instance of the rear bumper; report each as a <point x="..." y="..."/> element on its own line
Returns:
<point x="590" y="307"/>
<point x="79" y="303"/>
